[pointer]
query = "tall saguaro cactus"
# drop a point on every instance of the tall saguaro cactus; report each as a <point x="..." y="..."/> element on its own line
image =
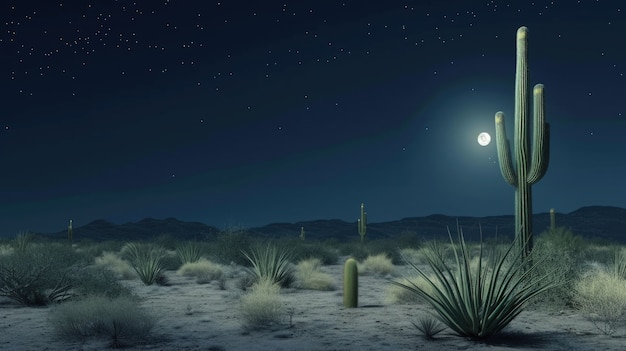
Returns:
<point x="528" y="169"/>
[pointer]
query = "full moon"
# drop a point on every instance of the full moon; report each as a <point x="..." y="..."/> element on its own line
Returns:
<point x="484" y="139"/>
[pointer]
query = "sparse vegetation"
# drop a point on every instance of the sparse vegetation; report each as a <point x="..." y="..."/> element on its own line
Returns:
<point x="262" y="306"/>
<point x="146" y="259"/>
<point x="561" y="252"/>
<point x="601" y="296"/>
<point x="38" y="274"/>
<point x="119" y="321"/>
<point x="308" y="275"/>
<point x="188" y="252"/>
<point x="203" y="270"/>
<point x="111" y="261"/>
<point x="378" y="264"/>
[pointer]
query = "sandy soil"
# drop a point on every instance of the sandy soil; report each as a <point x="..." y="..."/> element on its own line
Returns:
<point x="204" y="317"/>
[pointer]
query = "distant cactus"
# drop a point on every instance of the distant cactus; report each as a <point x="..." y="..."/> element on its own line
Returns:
<point x="350" y="284"/>
<point x="302" y="233"/>
<point x="362" y="222"/>
<point x="527" y="171"/>
<point x="552" y="219"/>
<point x="70" y="231"/>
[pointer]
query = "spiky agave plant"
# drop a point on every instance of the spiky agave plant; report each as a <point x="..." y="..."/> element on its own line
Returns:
<point x="271" y="263"/>
<point x="146" y="260"/>
<point x="477" y="297"/>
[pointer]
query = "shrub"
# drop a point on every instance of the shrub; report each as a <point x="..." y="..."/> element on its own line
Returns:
<point x="398" y="294"/>
<point x="203" y="270"/>
<point x="302" y="250"/>
<point x="307" y="275"/>
<point x="227" y="248"/>
<point x="146" y="260"/>
<point x="97" y="280"/>
<point x="118" y="320"/>
<point x="262" y="306"/>
<point x="38" y="274"/>
<point x="188" y="252"/>
<point x="618" y="267"/>
<point x="601" y="296"/>
<point x="22" y="241"/>
<point x="378" y="264"/>
<point x="478" y="300"/>
<point x="562" y="254"/>
<point x="270" y="263"/>
<point x="114" y="263"/>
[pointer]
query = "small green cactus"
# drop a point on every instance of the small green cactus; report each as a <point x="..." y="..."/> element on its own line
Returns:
<point x="552" y="219"/>
<point x="362" y="222"/>
<point x="350" y="284"/>
<point x="302" y="233"/>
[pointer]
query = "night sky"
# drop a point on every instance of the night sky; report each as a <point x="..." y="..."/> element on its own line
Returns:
<point x="244" y="113"/>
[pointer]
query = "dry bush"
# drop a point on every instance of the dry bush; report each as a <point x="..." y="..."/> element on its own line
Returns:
<point x="416" y="256"/>
<point x="119" y="320"/>
<point x="601" y="296"/>
<point x="307" y="275"/>
<point x="203" y="270"/>
<point x="379" y="264"/>
<point x="121" y="268"/>
<point x="399" y="295"/>
<point x="262" y="306"/>
<point x="6" y="250"/>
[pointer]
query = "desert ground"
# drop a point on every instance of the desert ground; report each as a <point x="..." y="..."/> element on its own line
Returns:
<point x="192" y="316"/>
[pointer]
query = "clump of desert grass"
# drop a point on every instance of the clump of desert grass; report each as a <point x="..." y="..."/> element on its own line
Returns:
<point x="379" y="264"/>
<point x="308" y="275"/>
<point x="262" y="306"/>
<point x="188" y="252"/>
<point x="600" y="294"/>
<point x="6" y="250"/>
<point x="121" y="268"/>
<point x="205" y="271"/>
<point x="120" y="322"/>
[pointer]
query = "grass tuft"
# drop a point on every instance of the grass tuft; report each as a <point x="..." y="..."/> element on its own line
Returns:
<point x="118" y="320"/>
<point x="262" y="306"/>
<point x="308" y="275"/>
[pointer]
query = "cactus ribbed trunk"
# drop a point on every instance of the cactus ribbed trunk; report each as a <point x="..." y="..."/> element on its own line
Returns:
<point x="528" y="169"/>
<point x="350" y="284"/>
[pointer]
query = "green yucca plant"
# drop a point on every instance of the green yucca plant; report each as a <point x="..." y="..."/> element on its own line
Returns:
<point x="477" y="297"/>
<point x="146" y="259"/>
<point x="271" y="263"/>
<point x="188" y="252"/>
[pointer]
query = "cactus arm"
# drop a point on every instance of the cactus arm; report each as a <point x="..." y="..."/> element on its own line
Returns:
<point x="541" y="138"/>
<point x="504" y="152"/>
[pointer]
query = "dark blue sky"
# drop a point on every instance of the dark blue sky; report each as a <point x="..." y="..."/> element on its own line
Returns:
<point x="243" y="113"/>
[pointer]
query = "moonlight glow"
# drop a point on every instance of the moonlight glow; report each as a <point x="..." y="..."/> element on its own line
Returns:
<point x="484" y="139"/>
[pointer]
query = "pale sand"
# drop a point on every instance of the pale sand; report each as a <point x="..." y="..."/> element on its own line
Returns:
<point x="319" y="323"/>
